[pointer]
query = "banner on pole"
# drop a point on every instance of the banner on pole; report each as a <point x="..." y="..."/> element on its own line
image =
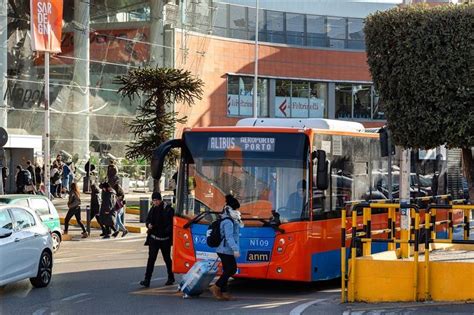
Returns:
<point x="46" y="25"/>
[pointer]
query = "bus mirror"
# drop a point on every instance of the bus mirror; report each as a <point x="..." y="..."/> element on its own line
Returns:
<point x="322" y="178"/>
<point x="159" y="155"/>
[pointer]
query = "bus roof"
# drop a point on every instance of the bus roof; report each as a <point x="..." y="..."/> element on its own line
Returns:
<point x="315" y="123"/>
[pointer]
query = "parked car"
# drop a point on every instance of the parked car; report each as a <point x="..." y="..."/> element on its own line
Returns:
<point x="45" y="210"/>
<point x="26" y="247"/>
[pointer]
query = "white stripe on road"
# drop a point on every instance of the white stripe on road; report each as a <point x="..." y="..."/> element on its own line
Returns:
<point x="72" y="297"/>
<point x="40" y="311"/>
<point x="300" y="308"/>
<point x="83" y="300"/>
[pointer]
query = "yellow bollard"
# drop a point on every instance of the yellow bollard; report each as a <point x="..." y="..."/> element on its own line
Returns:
<point x="415" y="256"/>
<point x="366" y="245"/>
<point x="433" y="224"/>
<point x="353" y="255"/>
<point x="343" y="256"/>
<point x="427" y="257"/>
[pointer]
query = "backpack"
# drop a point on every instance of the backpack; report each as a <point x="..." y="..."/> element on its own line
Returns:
<point x="55" y="177"/>
<point x="213" y="235"/>
<point x="26" y="177"/>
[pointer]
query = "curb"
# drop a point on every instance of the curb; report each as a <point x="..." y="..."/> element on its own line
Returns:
<point x="94" y="224"/>
<point x="132" y="211"/>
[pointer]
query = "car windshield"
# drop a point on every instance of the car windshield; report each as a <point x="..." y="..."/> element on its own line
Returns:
<point x="257" y="169"/>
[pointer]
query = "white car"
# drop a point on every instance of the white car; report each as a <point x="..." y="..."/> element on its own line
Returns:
<point x="26" y="247"/>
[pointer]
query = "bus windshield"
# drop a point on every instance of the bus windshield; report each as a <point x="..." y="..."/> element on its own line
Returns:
<point x="264" y="171"/>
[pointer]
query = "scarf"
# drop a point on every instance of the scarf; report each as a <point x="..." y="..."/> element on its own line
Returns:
<point x="234" y="215"/>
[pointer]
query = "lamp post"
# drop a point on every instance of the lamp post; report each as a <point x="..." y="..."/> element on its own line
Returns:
<point x="255" y="78"/>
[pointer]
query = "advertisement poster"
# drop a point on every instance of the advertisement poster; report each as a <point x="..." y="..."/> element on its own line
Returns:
<point x="46" y="25"/>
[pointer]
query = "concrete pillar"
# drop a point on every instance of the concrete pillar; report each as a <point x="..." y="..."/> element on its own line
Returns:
<point x="81" y="78"/>
<point x="156" y="34"/>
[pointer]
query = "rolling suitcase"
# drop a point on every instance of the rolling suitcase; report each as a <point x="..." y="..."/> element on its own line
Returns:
<point x="198" y="278"/>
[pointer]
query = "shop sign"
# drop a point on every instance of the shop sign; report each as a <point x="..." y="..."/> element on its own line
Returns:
<point x="298" y="107"/>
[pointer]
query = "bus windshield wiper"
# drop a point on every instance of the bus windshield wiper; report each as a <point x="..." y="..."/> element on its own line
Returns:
<point x="198" y="218"/>
<point x="267" y="222"/>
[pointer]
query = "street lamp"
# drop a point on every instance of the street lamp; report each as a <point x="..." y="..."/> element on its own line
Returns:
<point x="255" y="79"/>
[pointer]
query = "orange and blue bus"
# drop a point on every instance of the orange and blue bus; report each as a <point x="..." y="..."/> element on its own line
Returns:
<point x="292" y="178"/>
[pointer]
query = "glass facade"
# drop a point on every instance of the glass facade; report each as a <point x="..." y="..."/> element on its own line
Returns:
<point x="87" y="115"/>
<point x="238" y="22"/>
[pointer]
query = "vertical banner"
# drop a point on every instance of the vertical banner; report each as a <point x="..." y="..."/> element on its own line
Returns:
<point x="46" y="25"/>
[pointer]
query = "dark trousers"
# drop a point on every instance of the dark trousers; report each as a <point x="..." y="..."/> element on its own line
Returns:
<point x="76" y="212"/>
<point x="154" y="247"/>
<point x="229" y="268"/>
<point x="102" y="227"/>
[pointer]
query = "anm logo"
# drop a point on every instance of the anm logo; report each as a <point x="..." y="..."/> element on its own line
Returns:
<point x="258" y="256"/>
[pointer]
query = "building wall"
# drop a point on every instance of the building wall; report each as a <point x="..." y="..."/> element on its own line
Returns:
<point x="225" y="56"/>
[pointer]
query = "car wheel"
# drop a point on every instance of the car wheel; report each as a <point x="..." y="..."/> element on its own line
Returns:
<point x="45" y="271"/>
<point x="56" y="241"/>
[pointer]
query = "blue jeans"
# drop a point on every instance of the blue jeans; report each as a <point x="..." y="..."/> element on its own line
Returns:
<point x="119" y="220"/>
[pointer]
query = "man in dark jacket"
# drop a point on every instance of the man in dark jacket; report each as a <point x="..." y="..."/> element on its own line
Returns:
<point x="160" y="234"/>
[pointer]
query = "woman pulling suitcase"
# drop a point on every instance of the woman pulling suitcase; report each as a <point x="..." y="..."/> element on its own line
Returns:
<point x="228" y="250"/>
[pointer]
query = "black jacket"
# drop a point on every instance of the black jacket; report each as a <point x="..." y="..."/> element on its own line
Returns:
<point x="161" y="219"/>
<point x="95" y="200"/>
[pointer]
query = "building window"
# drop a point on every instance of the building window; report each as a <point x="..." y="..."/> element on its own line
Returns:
<point x="240" y="96"/>
<point x="295" y="29"/>
<point x="336" y="32"/>
<point x="238" y="22"/>
<point x="357" y="101"/>
<point x="275" y="27"/>
<point x="300" y="99"/>
<point x="343" y="100"/>
<point x="316" y="31"/>
<point x="377" y="111"/>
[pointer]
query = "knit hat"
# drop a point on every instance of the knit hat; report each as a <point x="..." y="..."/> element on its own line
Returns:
<point x="156" y="196"/>
<point x="232" y="202"/>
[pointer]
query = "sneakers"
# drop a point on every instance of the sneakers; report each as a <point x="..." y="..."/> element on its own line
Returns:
<point x="170" y="281"/>
<point x="124" y="233"/>
<point x="145" y="283"/>
<point x="84" y="235"/>
<point x="115" y="233"/>
<point x="216" y="291"/>
<point x="106" y="236"/>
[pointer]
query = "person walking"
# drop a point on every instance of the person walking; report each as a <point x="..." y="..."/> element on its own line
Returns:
<point x="112" y="173"/>
<point x="74" y="206"/>
<point x="159" y="236"/>
<point x="107" y="214"/>
<point x="228" y="250"/>
<point x="38" y="176"/>
<point x="95" y="207"/>
<point x="119" y="211"/>
<point x="21" y="179"/>
<point x="5" y="174"/>
<point x="29" y="168"/>
<point x="55" y="179"/>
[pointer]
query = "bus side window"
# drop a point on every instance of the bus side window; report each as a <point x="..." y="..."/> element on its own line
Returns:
<point x="318" y="197"/>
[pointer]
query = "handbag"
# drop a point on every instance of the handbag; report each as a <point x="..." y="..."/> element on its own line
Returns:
<point x="29" y="188"/>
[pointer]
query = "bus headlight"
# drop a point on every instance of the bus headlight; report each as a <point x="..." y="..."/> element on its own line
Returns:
<point x="185" y="236"/>
<point x="186" y="264"/>
<point x="279" y="250"/>
<point x="186" y="244"/>
<point x="279" y="270"/>
<point x="282" y="241"/>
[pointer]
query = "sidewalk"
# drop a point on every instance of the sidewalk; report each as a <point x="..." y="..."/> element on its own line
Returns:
<point x="132" y="215"/>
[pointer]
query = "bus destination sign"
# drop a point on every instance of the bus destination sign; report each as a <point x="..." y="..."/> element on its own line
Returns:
<point x="247" y="144"/>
